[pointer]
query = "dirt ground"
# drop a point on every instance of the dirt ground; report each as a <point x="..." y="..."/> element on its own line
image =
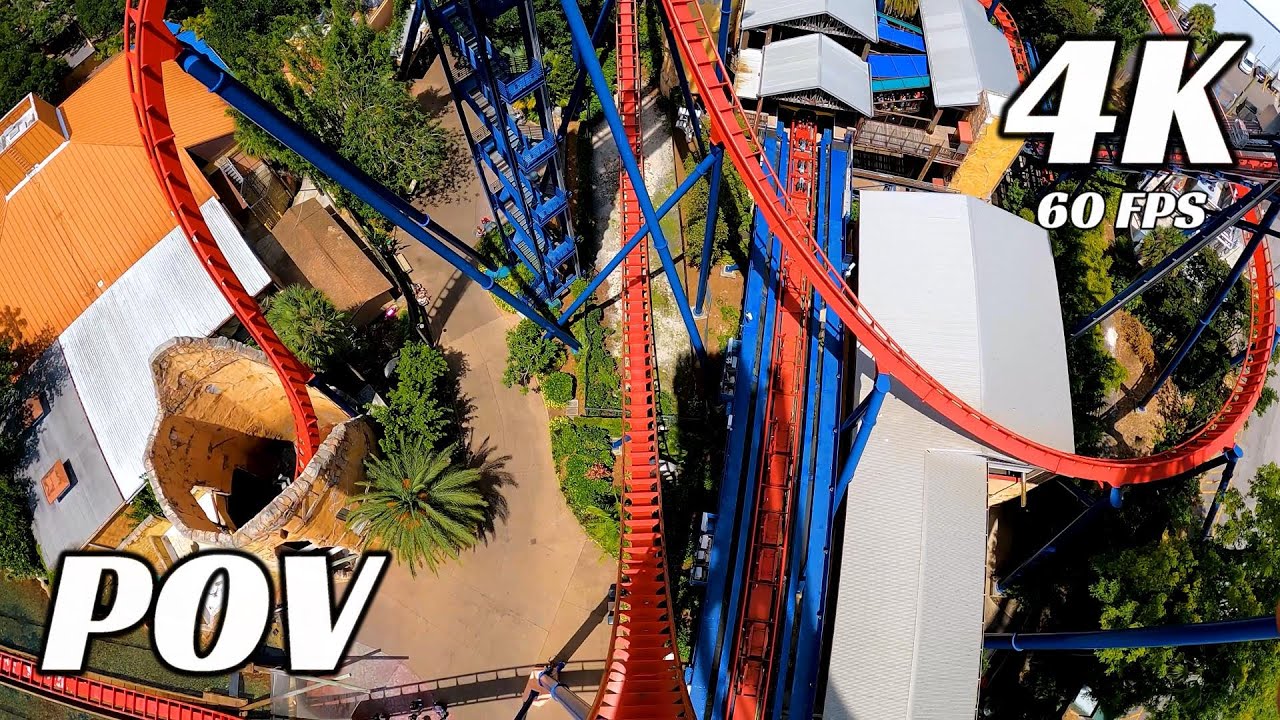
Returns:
<point x="1135" y="432"/>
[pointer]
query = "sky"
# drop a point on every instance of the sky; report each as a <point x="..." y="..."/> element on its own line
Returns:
<point x="1255" y="18"/>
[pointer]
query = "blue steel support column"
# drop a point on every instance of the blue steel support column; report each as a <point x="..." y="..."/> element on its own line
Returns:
<point x="722" y="41"/>
<point x="1206" y="316"/>
<point x="709" y="232"/>
<point x="579" y="94"/>
<point x="438" y="33"/>
<point x="510" y="153"/>
<point x="355" y="180"/>
<point x="1215" y="633"/>
<point x="618" y="257"/>
<point x="874" y="401"/>
<point x="713" y="192"/>
<point x="1233" y="456"/>
<point x="1202" y="236"/>
<point x="586" y="55"/>
<point x="1052" y="546"/>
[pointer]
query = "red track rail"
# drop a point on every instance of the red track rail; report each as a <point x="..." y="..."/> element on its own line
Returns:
<point x="1011" y="35"/>
<point x="730" y="126"/>
<point x="99" y="697"/>
<point x="643" y="679"/>
<point x="1162" y="17"/>
<point x="148" y="45"/>
<point x="767" y="555"/>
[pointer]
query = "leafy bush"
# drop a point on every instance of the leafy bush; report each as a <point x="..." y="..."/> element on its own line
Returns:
<point x="733" y="231"/>
<point x="309" y="324"/>
<point x="422" y="408"/>
<point x="530" y="354"/>
<point x="557" y="389"/>
<point x="583" y="453"/>
<point x="597" y="369"/>
<point x="144" y="505"/>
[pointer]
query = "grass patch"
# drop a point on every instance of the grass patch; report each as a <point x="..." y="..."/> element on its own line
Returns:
<point x="23" y="609"/>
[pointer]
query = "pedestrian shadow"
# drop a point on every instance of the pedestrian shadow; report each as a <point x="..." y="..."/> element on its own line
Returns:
<point x="588" y="626"/>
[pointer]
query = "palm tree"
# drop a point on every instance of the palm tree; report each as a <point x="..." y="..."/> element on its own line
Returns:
<point x="419" y="505"/>
<point x="309" y="324"/>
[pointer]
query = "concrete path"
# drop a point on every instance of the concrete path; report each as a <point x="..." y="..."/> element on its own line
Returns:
<point x="535" y="589"/>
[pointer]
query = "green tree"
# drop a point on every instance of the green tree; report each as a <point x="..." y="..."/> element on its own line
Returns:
<point x="338" y="80"/>
<point x="1066" y="17"/>
<point x="99" y="18"/>
<point x="1144" y="566"/>
<point x="18" y="555"/>
<point x="419" y="505"/>
<point x="144" y="505"/>
<point x="422" y="407"/>
<point x="529" y="354"/>
<point x="307" y="322"/>
<point x="1125" y="20"/>
<point x="1201" y="18"/>
<point x="1083" y="260"/>
<point x="1172" y="307"/>
<point x="24" y="66"/>
<point x="43" y="21"/>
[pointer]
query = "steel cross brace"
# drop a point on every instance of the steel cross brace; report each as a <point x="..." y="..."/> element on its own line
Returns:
<point x="585" y="54"/>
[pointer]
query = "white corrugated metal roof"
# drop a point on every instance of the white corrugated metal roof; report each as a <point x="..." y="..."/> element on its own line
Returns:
<point x="108" y="348"/>
<point x="907" y="629"/>
<point x="816" y="62"/>
<point x="858" y="15"/>
<point x="969" y="290"/>
<point x="746" y="73"/>
<point x="966" y="53"/>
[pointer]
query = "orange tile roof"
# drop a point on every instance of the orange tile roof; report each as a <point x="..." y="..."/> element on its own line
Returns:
<point x="94" y="209"/>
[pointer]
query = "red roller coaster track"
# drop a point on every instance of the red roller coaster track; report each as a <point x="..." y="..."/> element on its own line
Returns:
<point x="770" y="528"/>
<point x="643" y="678"/>
<point x="729" y="125"/>
<point x="97" y="696"/>
<point x="150" y="44"/>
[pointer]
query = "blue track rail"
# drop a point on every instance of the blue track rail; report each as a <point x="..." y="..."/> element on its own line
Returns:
<point x="714" y="641"/>
<point x="819" y="467"/>
<point x="897" y="32"/>
<point x="895" y="72"/>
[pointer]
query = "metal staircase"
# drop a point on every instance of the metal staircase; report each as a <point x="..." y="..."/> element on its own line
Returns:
<point x="519" y="162"/>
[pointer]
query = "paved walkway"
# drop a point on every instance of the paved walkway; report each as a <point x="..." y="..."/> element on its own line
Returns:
<point x="535" y="589"/>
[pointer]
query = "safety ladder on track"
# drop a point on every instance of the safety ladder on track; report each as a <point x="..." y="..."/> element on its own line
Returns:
<point x="770" y="530"/>
<point x="643" y="678"/>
